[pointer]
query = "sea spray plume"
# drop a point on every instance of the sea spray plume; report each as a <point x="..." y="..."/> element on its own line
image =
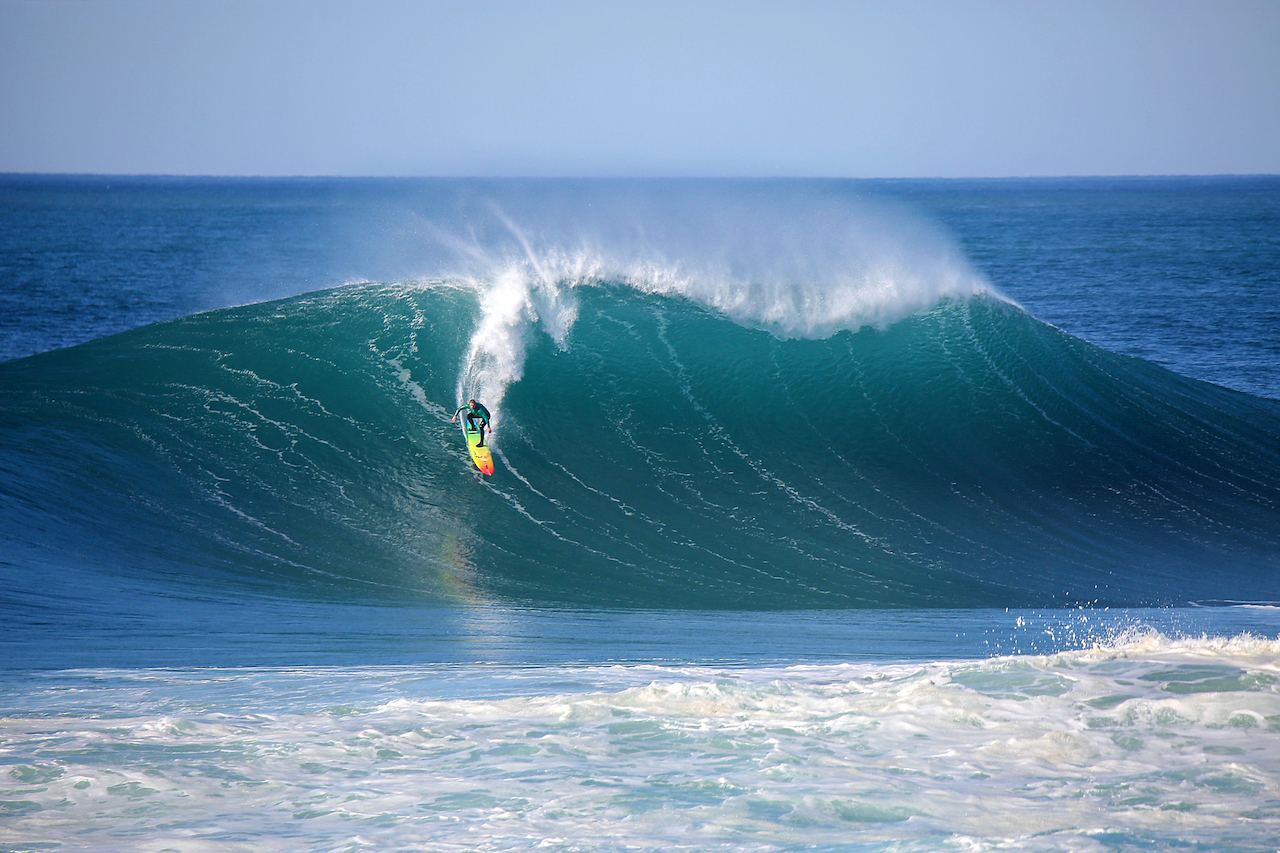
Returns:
<point x="800" y="263"/>
<point x="799" y="260"/>
<point x="519" y="292"/>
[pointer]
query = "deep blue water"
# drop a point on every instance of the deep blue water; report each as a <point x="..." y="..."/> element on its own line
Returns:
<point x="820" y="467"/>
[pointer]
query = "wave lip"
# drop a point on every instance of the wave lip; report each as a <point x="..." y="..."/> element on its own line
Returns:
<point x="785" y="261"/>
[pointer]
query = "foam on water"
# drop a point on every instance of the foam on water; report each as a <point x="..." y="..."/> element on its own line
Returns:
<point x="1147" y="741"/>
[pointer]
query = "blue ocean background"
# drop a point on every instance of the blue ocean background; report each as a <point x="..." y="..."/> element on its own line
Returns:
<point x="838" y="515"/>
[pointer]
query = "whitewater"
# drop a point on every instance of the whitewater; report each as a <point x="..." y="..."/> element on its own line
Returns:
<point x="828" y="515"/>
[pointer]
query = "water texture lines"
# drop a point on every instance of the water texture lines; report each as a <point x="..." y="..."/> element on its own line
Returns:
<point x="659" y="454"/>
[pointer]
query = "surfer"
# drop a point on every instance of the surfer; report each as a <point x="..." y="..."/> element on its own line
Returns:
<point x="475" y="411"/>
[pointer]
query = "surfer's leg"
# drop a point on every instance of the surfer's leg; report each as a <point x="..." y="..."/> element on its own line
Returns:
<point x="473" y="427"/>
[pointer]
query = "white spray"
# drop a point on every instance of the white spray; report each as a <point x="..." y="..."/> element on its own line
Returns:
<point x="794" y="259"/>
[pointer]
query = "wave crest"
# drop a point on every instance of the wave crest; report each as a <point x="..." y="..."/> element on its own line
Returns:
<point x="799" y="265"/>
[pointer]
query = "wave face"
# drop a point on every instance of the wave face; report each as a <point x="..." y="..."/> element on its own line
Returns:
<point x="652" y="452"/>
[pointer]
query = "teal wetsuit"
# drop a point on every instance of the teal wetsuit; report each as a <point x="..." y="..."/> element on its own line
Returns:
<point x="479" y="413"/>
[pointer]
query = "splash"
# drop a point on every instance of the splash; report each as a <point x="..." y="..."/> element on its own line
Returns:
<point x="1142" y="641"/>
<point x="799" y="261"/>
<point x="513" y="301"/>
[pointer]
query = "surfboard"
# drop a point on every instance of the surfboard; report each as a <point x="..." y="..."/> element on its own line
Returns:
<point x="479" y="453"/>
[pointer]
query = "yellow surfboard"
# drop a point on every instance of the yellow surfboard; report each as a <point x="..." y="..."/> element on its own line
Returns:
<point x="479" y="453"/>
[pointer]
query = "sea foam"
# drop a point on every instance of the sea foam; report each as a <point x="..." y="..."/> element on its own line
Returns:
<point x="1075" y="751"/>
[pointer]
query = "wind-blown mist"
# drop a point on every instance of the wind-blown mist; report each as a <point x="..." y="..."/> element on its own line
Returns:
<point x="796" y="263"/>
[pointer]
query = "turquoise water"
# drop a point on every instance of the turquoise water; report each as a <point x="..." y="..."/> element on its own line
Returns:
<point x="919" y="515"/>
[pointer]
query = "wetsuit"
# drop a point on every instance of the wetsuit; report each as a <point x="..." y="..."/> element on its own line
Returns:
<point x="478" y="413"/>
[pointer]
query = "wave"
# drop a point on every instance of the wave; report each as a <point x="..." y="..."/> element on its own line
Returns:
<point x="792" y="260"/>
<point x="690" y="433"/>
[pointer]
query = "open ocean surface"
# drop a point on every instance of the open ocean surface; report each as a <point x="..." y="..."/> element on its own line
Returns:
<point x="828" y="515"/>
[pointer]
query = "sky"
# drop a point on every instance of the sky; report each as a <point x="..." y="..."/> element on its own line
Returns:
<point x="653" y="88"/>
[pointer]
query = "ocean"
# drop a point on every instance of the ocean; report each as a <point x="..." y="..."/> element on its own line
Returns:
<point x="910" y="515"/>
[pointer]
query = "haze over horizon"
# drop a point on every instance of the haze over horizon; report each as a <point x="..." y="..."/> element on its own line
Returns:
<point x="576" y="89"/>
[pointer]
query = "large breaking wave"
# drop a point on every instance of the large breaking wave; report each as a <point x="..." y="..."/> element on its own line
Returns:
<point x="792" y="261"/>
<point x="656" y="448"/>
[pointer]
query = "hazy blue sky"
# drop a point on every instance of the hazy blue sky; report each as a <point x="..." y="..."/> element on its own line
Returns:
<point x="469" y="87"/>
